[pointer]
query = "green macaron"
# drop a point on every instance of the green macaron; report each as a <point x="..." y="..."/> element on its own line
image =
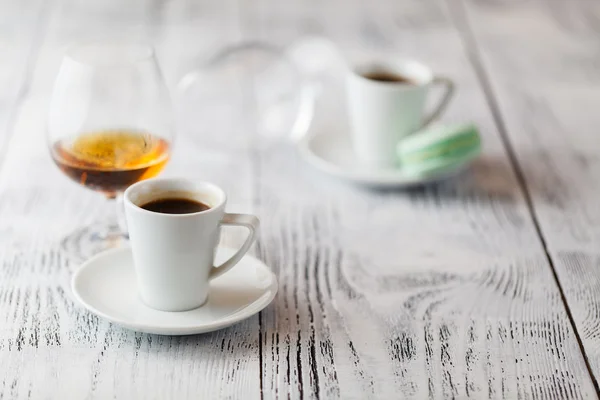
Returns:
<point x="439" y="148"/>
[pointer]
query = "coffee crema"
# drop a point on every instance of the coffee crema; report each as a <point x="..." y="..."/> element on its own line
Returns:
<point x="175" y="205"/>
<point x="387" y="76"/>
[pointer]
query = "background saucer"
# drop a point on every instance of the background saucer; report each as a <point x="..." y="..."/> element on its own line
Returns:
<point x="331" y="152"/>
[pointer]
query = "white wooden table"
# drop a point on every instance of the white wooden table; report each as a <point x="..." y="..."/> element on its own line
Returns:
<point x="487" y="286"/>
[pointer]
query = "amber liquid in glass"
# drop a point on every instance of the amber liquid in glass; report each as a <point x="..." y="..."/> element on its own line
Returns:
<point x="110" y="161"/>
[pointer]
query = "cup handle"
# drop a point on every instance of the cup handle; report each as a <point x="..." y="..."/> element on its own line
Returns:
<point x="448" y="92"/>
<point x="247" y="221"/>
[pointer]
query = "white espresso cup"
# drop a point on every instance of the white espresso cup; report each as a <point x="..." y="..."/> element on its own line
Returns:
<point x="382" y="112"/>
<point x="174" y="253"/>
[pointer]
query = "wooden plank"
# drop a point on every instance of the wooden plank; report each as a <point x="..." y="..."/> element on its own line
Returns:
<point x="442" y="292"/>
<point x="49" y="346"/>
<point x="543" y="63"/>
<point x="21" y="25"/>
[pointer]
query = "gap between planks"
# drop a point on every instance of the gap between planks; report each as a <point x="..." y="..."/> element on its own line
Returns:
<point x="458" y="15"/>
<point x="255" y="165"/>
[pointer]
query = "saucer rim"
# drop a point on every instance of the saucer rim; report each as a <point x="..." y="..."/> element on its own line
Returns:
<point x="252" y="309"/>
<point x="391" y="178"/>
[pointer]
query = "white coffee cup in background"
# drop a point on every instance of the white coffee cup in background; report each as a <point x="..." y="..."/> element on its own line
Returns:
<point x="386" y="102"/>
<point x="174" y="253"/>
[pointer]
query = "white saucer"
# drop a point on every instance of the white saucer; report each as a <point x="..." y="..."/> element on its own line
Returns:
<point x="331" y="152"/>
<point x="106" y="286"/>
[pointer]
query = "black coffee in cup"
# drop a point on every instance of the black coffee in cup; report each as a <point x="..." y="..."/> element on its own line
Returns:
<point x="388" y="76"/>
<point x="179" y="205"/>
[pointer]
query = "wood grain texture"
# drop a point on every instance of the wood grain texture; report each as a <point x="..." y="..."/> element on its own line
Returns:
<point x="438" y="292"/>
<point x="49" y="346"/>
<point x="545" y="74"/>
<point x="443" y="292"/>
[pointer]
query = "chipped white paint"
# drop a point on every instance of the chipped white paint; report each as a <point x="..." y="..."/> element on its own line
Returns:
<point x="438" y="292"/>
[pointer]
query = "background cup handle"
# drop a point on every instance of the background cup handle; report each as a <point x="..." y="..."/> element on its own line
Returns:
<point x="247" y="221"/>
<point x="448" y="92"/>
